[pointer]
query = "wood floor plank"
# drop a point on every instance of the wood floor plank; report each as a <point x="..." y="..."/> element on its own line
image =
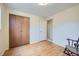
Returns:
<point x="43" y="48"/>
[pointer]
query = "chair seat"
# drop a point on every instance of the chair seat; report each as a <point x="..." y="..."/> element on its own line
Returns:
<point x="72" y="49"/>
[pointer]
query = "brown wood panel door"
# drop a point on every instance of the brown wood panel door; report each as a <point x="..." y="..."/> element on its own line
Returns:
<point x="12" y="22"/>
<point x="18" y="31"/>
<point x="25" y="30"/>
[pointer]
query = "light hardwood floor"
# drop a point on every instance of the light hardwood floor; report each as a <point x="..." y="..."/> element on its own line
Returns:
<point x="43" y="48"/>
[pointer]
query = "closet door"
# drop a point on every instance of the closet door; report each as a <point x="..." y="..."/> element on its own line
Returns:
<point x="25" y="30"/>
<point x="18" y="30"/>
<point x="14" y="31"/>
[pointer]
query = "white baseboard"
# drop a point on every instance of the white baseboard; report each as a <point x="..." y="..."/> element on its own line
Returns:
<point x="36" y="41"/>
<point x="50" y="40"/>
<point x="2" y="52"/>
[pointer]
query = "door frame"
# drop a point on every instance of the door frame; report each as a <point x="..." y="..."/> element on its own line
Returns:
<point x="50" y="20"/>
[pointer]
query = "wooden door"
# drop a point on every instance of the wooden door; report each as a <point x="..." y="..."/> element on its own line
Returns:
<point x="25" y="30"/>
<point x="18" y="31"/>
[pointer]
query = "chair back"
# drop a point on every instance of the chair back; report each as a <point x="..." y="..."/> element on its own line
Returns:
<point x="78" y="41"/>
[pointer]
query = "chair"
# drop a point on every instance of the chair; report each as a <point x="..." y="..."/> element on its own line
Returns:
<point x="72" y="49"/>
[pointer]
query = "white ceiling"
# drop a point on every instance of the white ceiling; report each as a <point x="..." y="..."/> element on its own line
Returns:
<point x="44" y="11"/>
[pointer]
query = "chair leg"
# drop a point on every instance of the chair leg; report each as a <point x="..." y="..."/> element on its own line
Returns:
<point x="66" y="51"/>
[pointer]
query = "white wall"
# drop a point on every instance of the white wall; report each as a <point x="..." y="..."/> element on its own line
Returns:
<point x="0" y="17"/>
<point x="35" y="24"/>
<point x="4" y="34"/>
<point x="65" y="25"/>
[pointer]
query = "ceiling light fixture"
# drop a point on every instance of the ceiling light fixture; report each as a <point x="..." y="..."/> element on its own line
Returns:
<point x="42" y="4"/>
